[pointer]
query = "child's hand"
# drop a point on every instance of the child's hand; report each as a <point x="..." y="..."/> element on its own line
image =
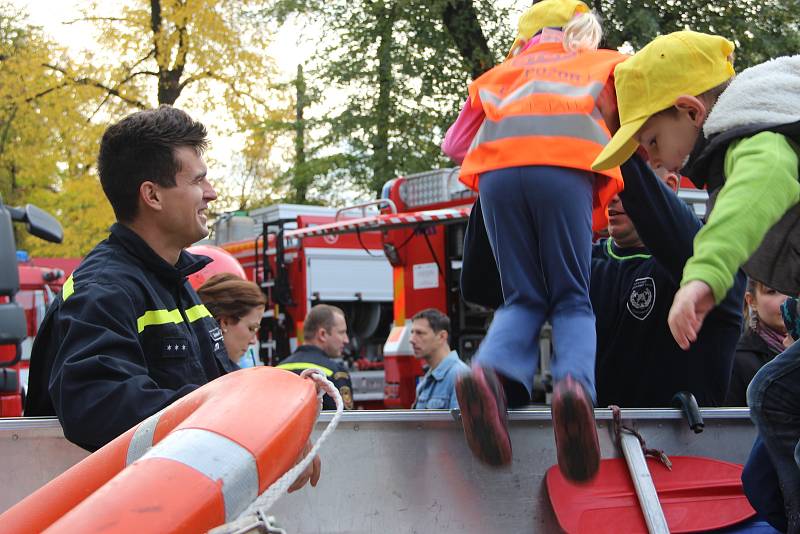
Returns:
<point x="689" y="308"/>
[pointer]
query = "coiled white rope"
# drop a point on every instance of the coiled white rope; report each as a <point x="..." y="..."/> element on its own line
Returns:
<point x="259" y="507"/>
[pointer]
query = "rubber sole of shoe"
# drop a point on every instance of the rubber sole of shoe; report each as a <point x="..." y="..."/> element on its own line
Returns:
<point x="486" y="433"/>
<point x="579" y="453"/>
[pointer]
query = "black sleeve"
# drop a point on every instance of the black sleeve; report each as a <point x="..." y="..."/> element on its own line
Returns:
<point x="99" y="384"/>
<point x="665" y="224"/>
<point x="480" y="277"/>
<point x="737" y="390"/>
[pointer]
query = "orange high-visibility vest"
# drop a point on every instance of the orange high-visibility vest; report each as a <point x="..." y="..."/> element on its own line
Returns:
<point x="541" y="109"/>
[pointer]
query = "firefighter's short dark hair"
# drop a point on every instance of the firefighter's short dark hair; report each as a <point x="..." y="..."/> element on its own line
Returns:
<point x="320" y="316"/>
<point x="141" y="147"/>
<point x="436" y="319"/>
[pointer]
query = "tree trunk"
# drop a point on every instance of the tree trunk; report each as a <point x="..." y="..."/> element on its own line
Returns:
<point x="301" y="179"/>
<point x="168" y="86"/>
<point x="169" y="79"/>
<point x="382" y="166"/>
<point x="461" y="21"/>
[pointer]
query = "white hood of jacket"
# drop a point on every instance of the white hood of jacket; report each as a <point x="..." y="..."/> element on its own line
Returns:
<point x="768" y="93"/>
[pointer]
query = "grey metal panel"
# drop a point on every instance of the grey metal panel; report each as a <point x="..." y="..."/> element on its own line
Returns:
<point x="348" y="275"/>
<point x="411" y="471"/>
<point x="32" y="452"/>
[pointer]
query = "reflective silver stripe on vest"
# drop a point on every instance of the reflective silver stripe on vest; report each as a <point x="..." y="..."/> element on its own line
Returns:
<point x="542" y="87"/>
<point x="219" y="459"/>
<point x="578" y="126"/>
<point x="142" y="438"/>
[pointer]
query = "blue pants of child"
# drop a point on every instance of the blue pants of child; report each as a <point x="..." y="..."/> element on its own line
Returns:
<point x="539" y="223"/>
<point x="774" y="400"/>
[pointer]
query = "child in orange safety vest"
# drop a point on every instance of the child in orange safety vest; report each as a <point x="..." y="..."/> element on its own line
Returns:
<point x="546" y="112"/>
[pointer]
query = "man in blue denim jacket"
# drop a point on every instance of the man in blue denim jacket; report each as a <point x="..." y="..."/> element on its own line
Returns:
<point x="429" y="339"/>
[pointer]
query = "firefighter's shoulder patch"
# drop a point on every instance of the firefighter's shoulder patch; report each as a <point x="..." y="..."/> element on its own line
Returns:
<point x="341" y="375"/>
<point x="347" y="397"/>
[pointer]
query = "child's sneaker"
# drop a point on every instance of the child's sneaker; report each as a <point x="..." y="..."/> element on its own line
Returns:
<point x="483" y="413"/>
<point x="577" y="447"/>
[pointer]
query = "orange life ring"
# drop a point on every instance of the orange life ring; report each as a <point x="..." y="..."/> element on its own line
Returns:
<point x="191" y="467"/>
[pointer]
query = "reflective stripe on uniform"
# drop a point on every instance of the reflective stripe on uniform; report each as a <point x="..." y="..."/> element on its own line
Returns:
<point x="299" y="366"/>
<point x="142" y="438"/>
<point x="542" y="87"/>
<point x="578" y="126"/>
<point x="218" y="458"/>
<point x="155" y="317"/>
<point x="197" y="312"/>
<point x="68" y="289"/>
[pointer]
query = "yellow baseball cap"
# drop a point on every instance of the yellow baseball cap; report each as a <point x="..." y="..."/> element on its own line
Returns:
<point x="546" y="14"/>
<point x="681" y="63"/>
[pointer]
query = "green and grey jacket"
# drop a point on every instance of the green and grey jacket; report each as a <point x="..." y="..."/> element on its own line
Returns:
<point x="764" y="98"/>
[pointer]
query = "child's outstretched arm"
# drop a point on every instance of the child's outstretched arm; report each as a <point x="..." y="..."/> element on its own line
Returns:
<point x="762" y="185"/>
<point x="460" y="134"/>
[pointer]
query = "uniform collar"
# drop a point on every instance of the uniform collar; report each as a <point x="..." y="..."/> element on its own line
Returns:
<point x="622" y="254"/>
<point x="138" y="247"/>
<point x="309" y="348"/>
<point x="441" y="371"/>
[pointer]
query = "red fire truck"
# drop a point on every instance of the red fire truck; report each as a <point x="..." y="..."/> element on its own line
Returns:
<point x="348" y="271"/>
<point x="26" y="289"/>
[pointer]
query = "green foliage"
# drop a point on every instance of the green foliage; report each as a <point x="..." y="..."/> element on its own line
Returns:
<point x="386" y="80"/>
<point x="203" y="54"/>
<point x="208" y="55"/>
<point x="404" y="78"/>
<point x="760" y="29"/>
<point x="405" y="64"/>
<point x="46" y="146"/>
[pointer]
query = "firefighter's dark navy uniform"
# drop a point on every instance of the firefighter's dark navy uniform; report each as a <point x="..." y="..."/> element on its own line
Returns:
<point x="312" y="357"/>
<point x="638" y="362"/>
<point x="127" y="336"/>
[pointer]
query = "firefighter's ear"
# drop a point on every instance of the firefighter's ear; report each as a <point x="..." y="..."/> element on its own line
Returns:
<point x="150" y="195"/>
<point x="321" y="334"/>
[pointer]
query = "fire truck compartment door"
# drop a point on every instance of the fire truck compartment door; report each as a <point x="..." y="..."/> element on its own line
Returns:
<point x="348" y="275"/>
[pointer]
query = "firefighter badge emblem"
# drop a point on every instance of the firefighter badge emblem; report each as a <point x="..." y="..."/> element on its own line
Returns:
<point x="642" y="298"/>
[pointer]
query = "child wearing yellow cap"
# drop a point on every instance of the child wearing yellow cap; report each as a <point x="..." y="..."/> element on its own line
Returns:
<point x="545" y="113"/>
<point x="740" y="137"/>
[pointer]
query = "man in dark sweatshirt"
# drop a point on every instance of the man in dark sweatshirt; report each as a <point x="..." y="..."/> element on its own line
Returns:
<point x="635" y="274"/>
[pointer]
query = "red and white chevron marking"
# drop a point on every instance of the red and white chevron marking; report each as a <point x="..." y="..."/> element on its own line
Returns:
<point x="383" y="222"/>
